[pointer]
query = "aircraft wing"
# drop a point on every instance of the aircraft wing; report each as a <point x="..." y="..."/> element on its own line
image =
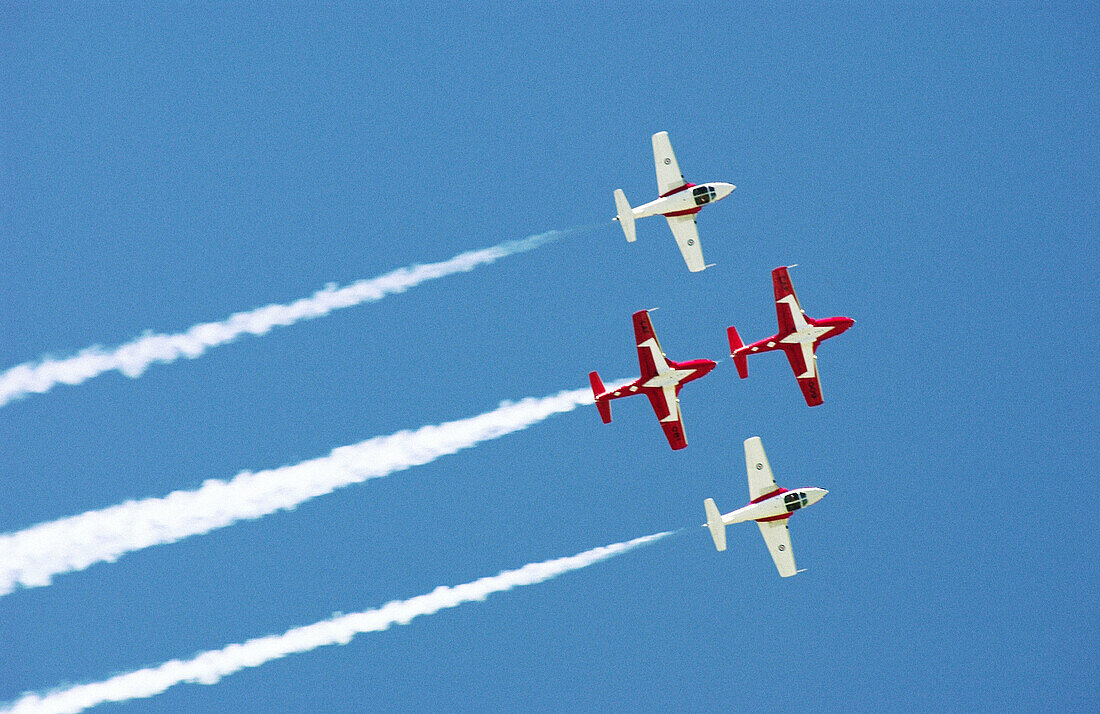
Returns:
<point x="811" y="390"/>
<point x="687" y="237"/>
<point x="651" y="359"/>
<point x="787" y="309"/>
<point x="669" y="177"/>
<point x="778" y="537"/>
<point x="804" y="366"/>
<point x="667" y="408"/>
<point x="761" y="480"/>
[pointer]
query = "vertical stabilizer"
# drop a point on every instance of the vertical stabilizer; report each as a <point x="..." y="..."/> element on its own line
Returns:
<point x="625" y="215"/>
<point x="715" y="524"/>
<point x="598" y="390"/>
<point x="739" y="358"/>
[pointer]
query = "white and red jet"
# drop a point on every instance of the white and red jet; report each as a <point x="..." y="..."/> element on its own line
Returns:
<point x="677" y="203"/>
<point x="798" y="337"/>
<point x="771" y="507"/>
<point x="661" y="381"/>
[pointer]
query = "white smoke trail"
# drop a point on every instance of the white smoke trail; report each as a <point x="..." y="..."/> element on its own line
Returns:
<point x="31" y="557"/>
<point x="133" y="358"/>
<point x="209" y="667"/>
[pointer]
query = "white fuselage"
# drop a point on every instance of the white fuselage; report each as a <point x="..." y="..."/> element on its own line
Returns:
<point x="686" y="200"/>
<point x="781" y="504"/>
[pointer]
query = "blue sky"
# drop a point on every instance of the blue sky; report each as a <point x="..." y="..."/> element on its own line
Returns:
<point x="932" y="170"/>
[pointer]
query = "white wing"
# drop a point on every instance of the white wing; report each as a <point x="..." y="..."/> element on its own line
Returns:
<point x="761" y="481"/>
<point x="668" y="171"/>
<point x="778" y="538"/>
<point x="687" y="237"/>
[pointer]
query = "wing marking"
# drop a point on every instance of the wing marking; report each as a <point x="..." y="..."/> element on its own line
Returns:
<point x="669" y="177"/>
<point x="761" y="480"/>
<point x="811" y="390"/>
<point x="686" y="233"/>
<point x="778" y="538"/>
<point x="787" y="308"/>
<point x="651" y="358"/>
<point x="804" y="365"/>
<point x="667" y="409"/>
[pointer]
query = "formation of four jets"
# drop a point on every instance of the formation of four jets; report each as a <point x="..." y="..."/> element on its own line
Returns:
<point x="661" y="378"/>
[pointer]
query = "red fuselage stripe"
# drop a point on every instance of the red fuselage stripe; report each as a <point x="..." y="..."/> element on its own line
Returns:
<point x="758" y="499"/>
<point x="773" y="518"/>
<point x="688" y="212"/>
<point x="685" y="187"/>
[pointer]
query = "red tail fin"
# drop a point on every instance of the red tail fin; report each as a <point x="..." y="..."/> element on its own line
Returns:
<point x="603" y="405"/>
<point x="739" y="359"/>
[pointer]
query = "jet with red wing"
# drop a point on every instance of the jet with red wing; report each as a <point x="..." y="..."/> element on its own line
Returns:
<point x="798" y="337"/>
<point x="770" y="506"/>
<point x="661" y="380"/>
<point x="677" y="203"/>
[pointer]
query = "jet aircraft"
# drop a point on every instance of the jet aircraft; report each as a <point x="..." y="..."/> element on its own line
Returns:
<point x="798" y="337"/>
<point x="661" y="381"/>
<point x="771" y="507"/>
<point x="676" y="203"/>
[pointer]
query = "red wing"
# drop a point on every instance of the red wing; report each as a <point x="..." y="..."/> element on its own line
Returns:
<point x="667" y="409"/>
<point x="674" y="432"/>
<point x="811" y="389"/>
<point x="660" y="404"/>
<point x="797" y="357"/>
<point x="781" y="284"/>
<point x="649" y="349"/>
<point x="643" y="328"/>
<point x="804" y="366"/>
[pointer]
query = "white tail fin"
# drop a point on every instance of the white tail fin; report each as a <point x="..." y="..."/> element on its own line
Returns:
<point x="714" y="522"/>
<point x="625" y="215"/>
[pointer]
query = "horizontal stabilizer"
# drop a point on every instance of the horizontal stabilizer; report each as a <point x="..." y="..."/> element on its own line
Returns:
<point x="625" y="215"/>
<point x="740" y="360"/>
<point x="603" y="405"/>
<point x="715" y="524"/>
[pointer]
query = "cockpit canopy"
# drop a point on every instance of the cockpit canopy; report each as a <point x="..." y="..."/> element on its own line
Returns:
<point x="703" y="194"/>
<point x="794" y="500"/>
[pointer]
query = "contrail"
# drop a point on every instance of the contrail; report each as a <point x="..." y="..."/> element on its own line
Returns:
<point x="133" y="358"/>
<point x="31" y="557"/>
<point x="209" y="667"/>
